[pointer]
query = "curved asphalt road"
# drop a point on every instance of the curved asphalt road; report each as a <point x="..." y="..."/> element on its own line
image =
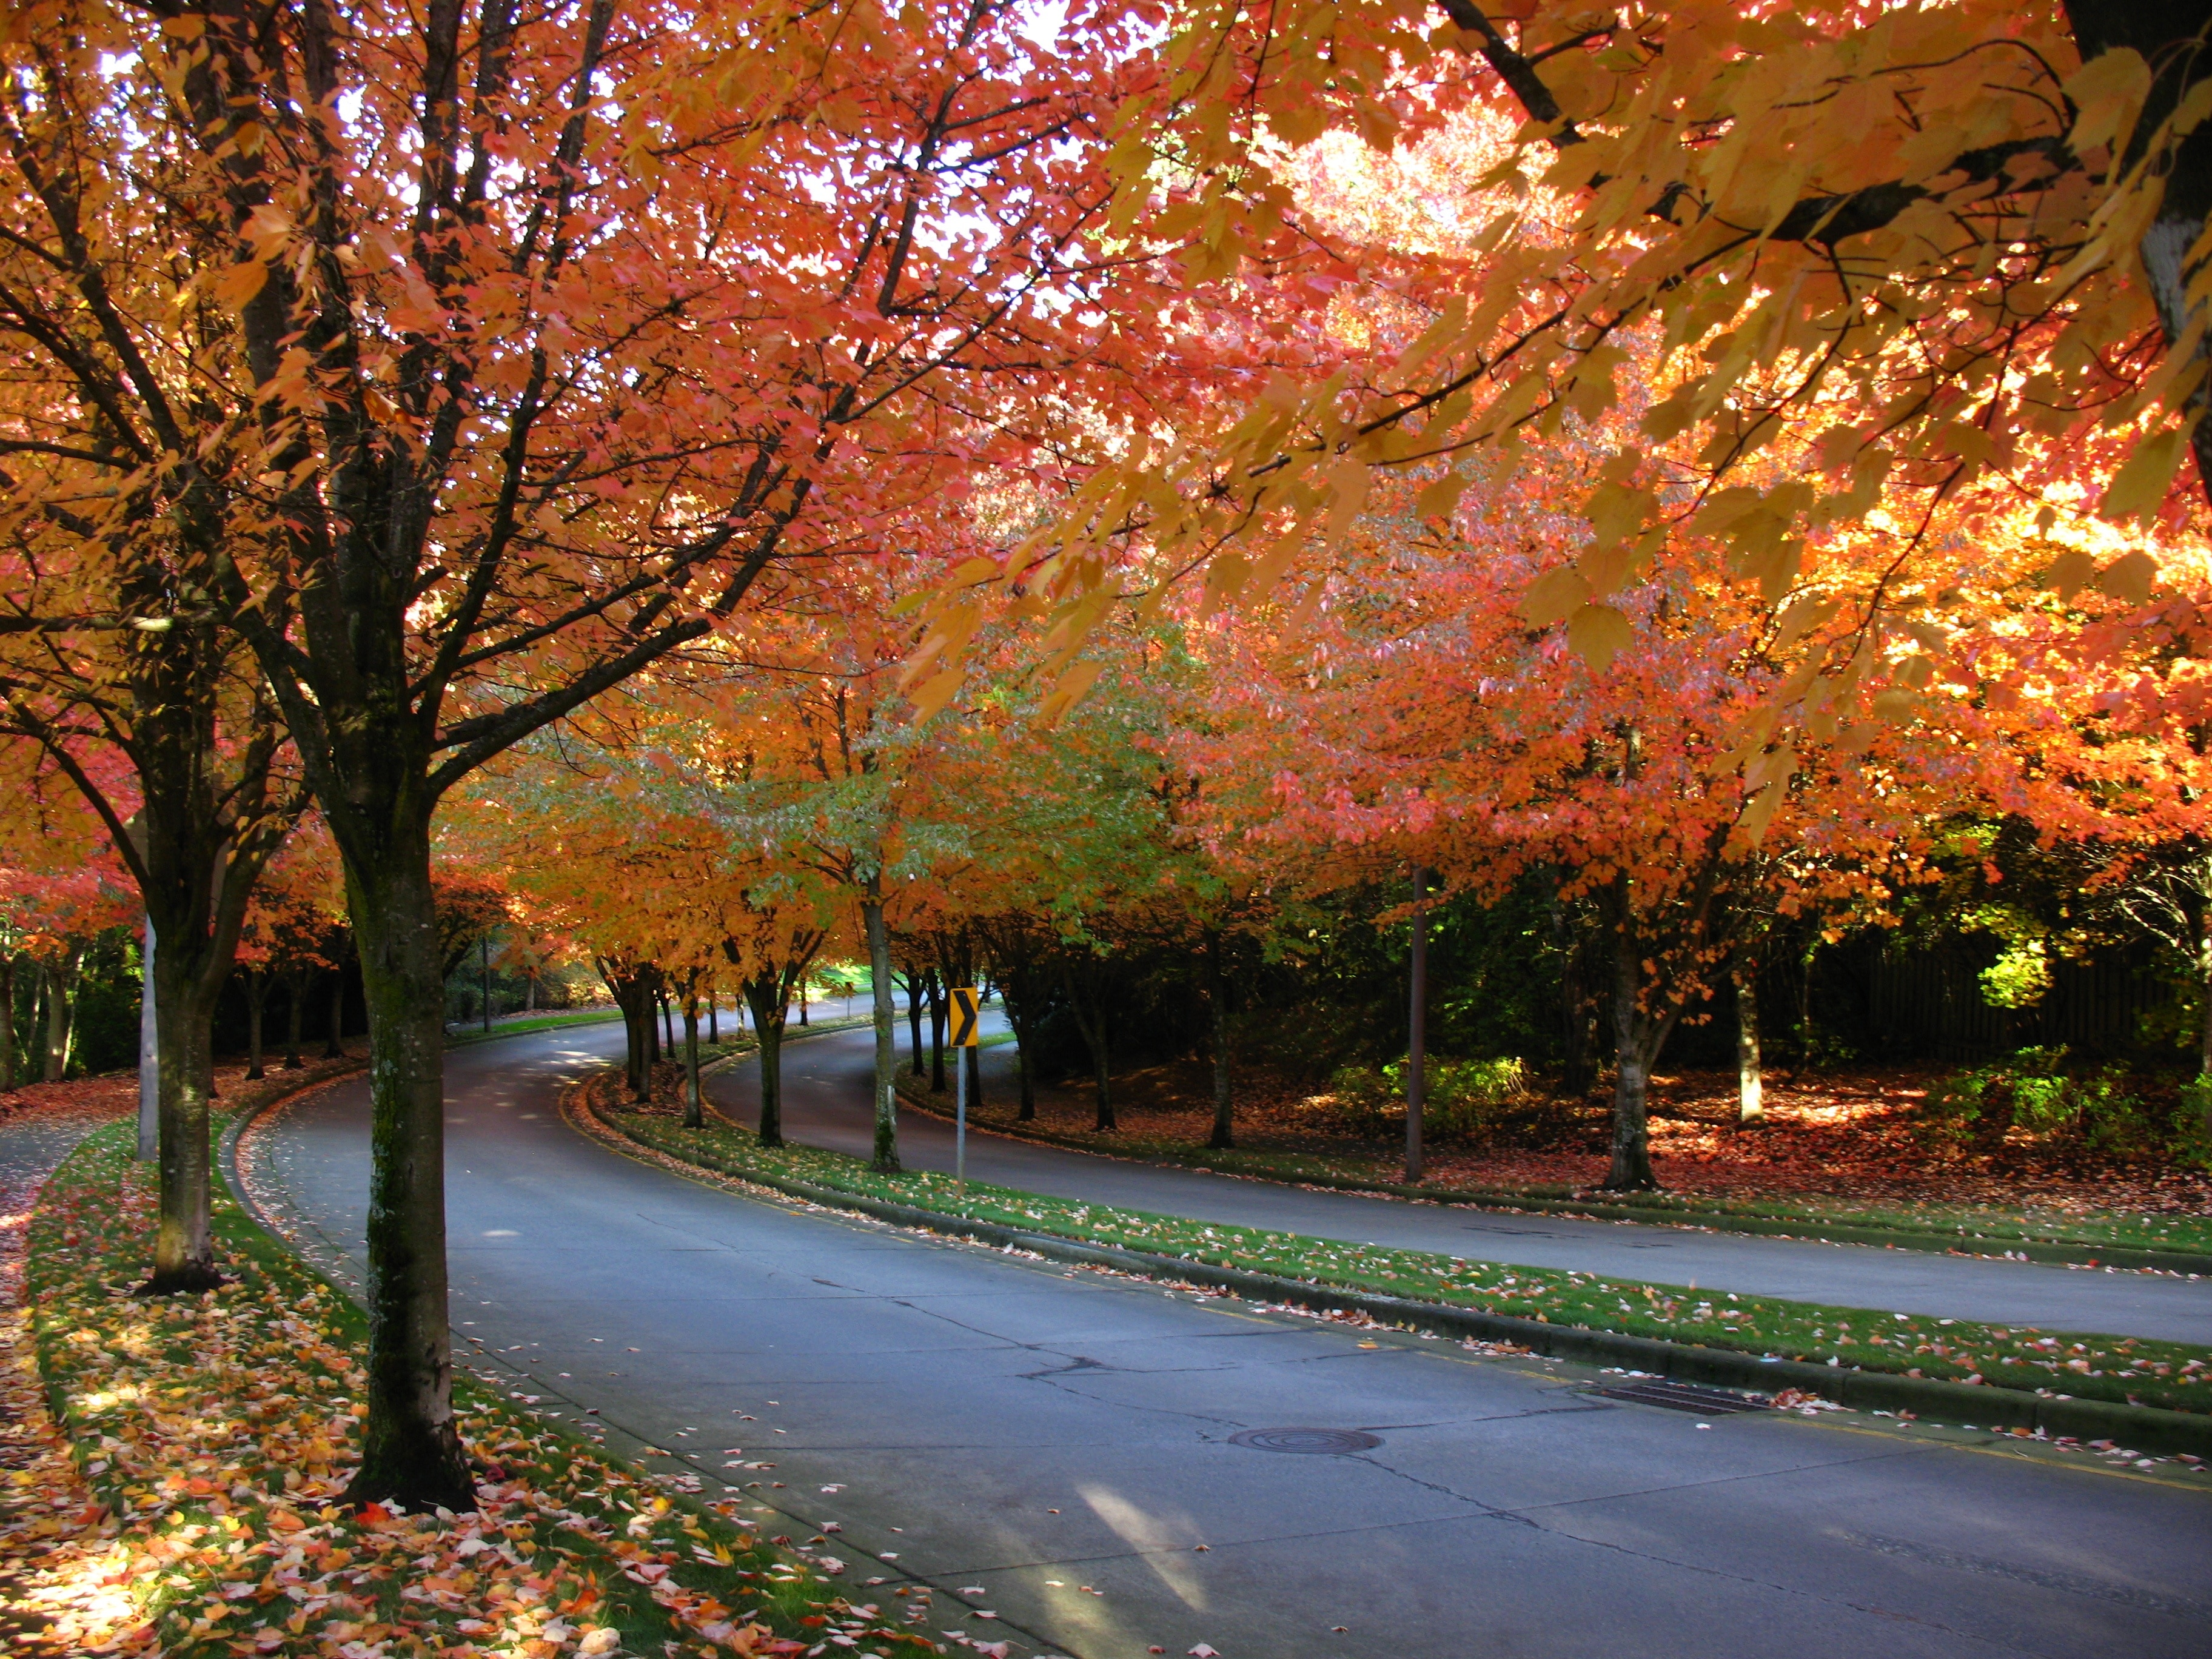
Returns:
<point x="1061" y="1442"/>
<point x="827" y="1087"/>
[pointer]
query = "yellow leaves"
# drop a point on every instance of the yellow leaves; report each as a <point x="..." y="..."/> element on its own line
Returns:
<point x="1598" y="633"/>
<point x="1347" y="482"/>
<point x="2141" y="484"/>
<point x="1801" y="617"/>
<point x="1070" y="691"/>
<point x="1593" y="392"/>
<point x="1438" y="497"/>
<point x="1916" y="672"/>
<point x="2108" y="91"/>
<point x="2129" y="578"/>
<point x="1894" y="704"/>
<point x="1555" y="595"/>
<point x="1616" y="512"/>
<point x="2069" y="573"/>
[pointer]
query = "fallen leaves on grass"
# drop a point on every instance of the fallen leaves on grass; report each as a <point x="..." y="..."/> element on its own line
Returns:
<point x="65" y="1567"/>
<point x="217" y="1432"/>
<point x="1843" y="1146"/>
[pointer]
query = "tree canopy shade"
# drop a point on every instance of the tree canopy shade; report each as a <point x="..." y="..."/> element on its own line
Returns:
<point x="465" y="361"/>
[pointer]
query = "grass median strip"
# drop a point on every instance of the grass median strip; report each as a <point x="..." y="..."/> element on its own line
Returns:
<point x="217" y="1431"/>
<point x="1982" y="1229"/>
<point x="2068" y="1364"/>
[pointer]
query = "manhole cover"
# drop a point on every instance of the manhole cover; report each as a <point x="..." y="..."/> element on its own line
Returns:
<point x="1685" y="1397"/>
<point x="1327" y="1442"/>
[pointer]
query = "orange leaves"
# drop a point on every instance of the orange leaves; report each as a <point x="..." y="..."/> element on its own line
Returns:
<point x="1881" y="243"/>
<point x="235" y="288"/>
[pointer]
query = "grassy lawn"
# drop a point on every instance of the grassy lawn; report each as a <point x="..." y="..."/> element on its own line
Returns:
<point x="458" y="1036"/>
<point x="217" y="1431"/>
<point x="1988" y="1225"/>
<point x="2088" y="1366"/>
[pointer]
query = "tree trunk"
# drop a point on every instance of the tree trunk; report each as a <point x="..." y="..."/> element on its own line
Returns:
<point x="529" y="994"/>
<point x="937" y="1000"/>
<point x="914" y="1019"/>
<point x="1217" y="995"/>
<point x="1750" y="1084"/>
<point x="61" y="1011"/>
<point x="1092" y="1024"/>
<point x="632" y="985"/>
<point x="764" y="995"/>
<point x="1015" y="996"/>
<point x="257" y="999"/>
<point x="713" y="1019"/>
<point x="693" y="1117"/>
<point x="184" y="1243"/>
<point x="667" y="1018"/>
<point x="410" y="1449"/>
<point x="1634" y="1038"/>
<point x="335" y="1048"/>
<point x="1417" y="1028"/>
<point x="8" y="1024"/>
<point x="35" y="1023"/>
<point x="802" y="999"/>
<point x="2204" y="1016"/>
<point x="148" y="1149"/>
<point x="1579" y="1070"/>
<point x="886" y="1159"/>
<point x="295" y="987"/>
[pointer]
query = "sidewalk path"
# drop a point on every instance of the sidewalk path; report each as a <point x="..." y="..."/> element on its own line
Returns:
<point x="826" y="1092"/>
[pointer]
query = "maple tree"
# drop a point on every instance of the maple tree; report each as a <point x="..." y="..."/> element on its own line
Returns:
<point x="1411" y="716"/>
<point x="157" y="719"/>
<point x="473" y="360"/>
<point x="1928" y="252"/>
<point x="57" y="894"/>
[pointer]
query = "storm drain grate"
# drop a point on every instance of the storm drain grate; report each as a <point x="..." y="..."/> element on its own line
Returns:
<point x="1685" y="1397"/>
<point x="1324" y="1442"/>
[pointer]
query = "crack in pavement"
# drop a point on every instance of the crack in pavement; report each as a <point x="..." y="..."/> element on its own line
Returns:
<point x="2073" y="1583"/>
<point x="2005" y="1645"/>
<point x="1729" y="1479"/>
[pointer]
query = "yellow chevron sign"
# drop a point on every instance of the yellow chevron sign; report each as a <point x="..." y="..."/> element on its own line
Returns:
<point x="964" y="1017"/>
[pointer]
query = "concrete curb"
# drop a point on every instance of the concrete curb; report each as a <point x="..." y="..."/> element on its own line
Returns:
<point x="2142" y="1428"/>
<point x="2053" y="1252"/>
<point x="226" y="1153"/>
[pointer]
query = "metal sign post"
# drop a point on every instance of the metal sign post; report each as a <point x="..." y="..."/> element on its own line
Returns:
<point x="963" y="1036"/>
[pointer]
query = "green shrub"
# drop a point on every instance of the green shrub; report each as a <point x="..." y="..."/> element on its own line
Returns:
<point x="1465" y="1098"/>
<point x="2035" y="1091"/>
<point x="2193" y="1143"/>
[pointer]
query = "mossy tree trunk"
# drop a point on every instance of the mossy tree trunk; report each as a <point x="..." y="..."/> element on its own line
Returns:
<point x="886" y="1158"/>
<point x="768" y="997"/>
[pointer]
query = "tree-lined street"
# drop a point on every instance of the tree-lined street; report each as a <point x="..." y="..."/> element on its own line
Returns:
<point x="963" y="1397"/>
<point x="1551" y="607"/>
